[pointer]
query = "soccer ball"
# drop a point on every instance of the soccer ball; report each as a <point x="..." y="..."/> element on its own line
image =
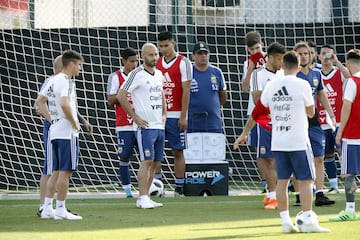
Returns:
<point x="156" y="188"/>
<point x="299" y="219"/>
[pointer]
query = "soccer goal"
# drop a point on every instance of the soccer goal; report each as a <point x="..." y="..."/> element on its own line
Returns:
<point x="34" y="32"/>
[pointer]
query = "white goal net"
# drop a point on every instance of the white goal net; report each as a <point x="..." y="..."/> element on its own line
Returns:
<point x="34" y="32"/>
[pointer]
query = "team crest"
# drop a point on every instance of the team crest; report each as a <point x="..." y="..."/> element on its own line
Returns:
<point x="120" y="150"/>
<point x="316" y="82"/>
<point x="213" y="79"/>
<point x="147" y="152"/>
<point x="262" y="150"/>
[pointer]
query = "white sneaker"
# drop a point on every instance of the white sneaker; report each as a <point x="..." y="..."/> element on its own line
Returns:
<point x="47" y="214"/>
<point x="289" y="228"/>
<point x="144" y="202"/>
<point x="313" y="227"/>
<point x="156" y="204"/>
<point x="66" y="216"/>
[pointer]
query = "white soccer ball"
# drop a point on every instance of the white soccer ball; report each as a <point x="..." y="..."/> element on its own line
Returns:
<point x="156" y="188"/>
<point x="299" y="219"/>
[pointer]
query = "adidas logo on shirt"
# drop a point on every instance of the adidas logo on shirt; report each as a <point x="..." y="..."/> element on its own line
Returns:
<point x="281" y="95"/>
<point x="330" y="90"/>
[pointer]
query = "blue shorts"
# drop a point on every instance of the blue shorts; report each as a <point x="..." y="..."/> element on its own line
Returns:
<point x="317" y="140"/>
<point x="65" y="154"/>
<point x="330" y="143"/>
<point x="176" y="139"/>
<point x="126" y="141"/>
<point x="264" y="143"/>
<point x="253" y="137"/>
<point x="299" y="163"/>
<point x="350" y="158"/>
<point x="48" y="168"/>
<point x="151" y="144"/>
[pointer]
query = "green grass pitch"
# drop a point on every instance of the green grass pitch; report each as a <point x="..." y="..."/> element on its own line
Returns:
<point x="190" y="218"/>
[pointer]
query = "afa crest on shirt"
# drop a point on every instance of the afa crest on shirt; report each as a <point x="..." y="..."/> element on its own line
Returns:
<point x="147" y="153"/>
<point x="316" y="82"/>
<point x="120" y="149"/>
<point x="213" y="79"/>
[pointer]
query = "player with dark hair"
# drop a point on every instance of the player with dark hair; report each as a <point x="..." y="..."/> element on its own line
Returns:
<point x="333" y="79"/>
<point x="254" y="46"/>
<point x="125" y="129"/>
<point x="61" y="111"/>
<point x="316" y="134"/>
<point x="177" y="71"/>
<point x="348" y="136"/>
<point x="289" y="102"/>
<point x="145" y="84"/>
<point x="260" y="78"/>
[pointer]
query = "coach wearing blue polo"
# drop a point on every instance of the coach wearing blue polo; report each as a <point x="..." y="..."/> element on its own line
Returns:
<point x="207" y="93"/>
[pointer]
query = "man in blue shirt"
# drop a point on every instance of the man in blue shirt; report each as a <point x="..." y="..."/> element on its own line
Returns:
<point x="207" y="93"/>
<point x="316" y="134"/>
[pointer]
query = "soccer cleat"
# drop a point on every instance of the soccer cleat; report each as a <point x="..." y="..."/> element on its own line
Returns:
<point x="156" y="204"/>
<point x="266" y="200"/>
<point x="75" y="213"/>
<point x="39" y="212"/>
<point x="144" y="202"/>
<point x="178" y="192"/>
<point x="66" y="216"/>
<point x="322" y="200"/>
<point x="47" y="214"/>
<point x="345" y="216"/>
<point x="289" y="228"/>
<point x="313" y="228"/>
<point x="333" y="190"/>
<point x="272" y="205"/>
<point x="128" y="193"/>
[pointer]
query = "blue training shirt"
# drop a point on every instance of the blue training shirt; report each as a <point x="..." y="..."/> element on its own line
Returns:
<point x="204" y="108"/>
<point x="314" y="79"/>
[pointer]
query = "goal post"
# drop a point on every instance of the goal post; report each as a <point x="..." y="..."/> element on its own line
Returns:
<point x="34" y="32"/>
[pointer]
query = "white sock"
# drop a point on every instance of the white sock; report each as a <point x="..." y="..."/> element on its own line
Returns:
<point x="285" y="217"/>
<point x="60" y="206"/>
<point x="350" y="207"/>
<point x="48" y="204"/>
<point x="272" y="195"/>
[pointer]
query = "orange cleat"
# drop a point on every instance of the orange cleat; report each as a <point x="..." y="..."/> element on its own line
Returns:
<point x="272" y="205"/>
<point x="266" y="200"/>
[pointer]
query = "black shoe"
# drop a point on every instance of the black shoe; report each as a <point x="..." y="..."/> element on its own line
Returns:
<point x="179" y="192"/>
<point x="291" y="187"/>
<point x="297" y="202"/>
<point x="322" y="200"/>
<point x="333" y="190"/>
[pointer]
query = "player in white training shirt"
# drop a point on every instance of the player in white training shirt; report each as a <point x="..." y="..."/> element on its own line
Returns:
<point x="260" y="77"/>
<point x="145" y="84"/>
<point x="289" y="101"/>
<point x="61" y="111"/>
